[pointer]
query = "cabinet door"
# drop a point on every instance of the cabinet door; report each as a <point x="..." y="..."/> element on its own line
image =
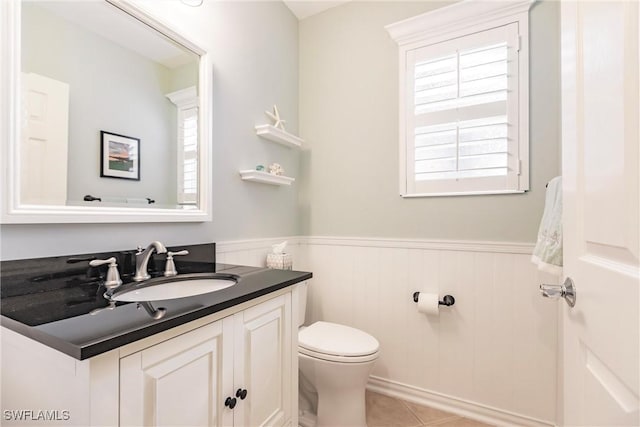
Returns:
<point x="264" y="363"/>
<point x="180" y="382"/>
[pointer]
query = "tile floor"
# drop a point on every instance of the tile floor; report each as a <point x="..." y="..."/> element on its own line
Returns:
<point x="384" y="411"/>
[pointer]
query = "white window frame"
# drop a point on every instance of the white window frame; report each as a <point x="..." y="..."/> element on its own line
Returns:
<point x="447" y="24"/>
<point x="184" y="99"/>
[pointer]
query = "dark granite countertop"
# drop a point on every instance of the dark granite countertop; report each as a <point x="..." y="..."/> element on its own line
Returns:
<point x="57" y="303"/>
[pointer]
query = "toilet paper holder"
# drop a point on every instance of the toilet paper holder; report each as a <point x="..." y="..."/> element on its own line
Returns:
<point x="447" y="300"/>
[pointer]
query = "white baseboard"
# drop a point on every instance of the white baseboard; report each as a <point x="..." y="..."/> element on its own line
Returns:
<point x="451" y="404"/>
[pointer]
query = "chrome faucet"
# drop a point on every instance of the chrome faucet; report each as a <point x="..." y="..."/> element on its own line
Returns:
<point x="142" y="259"/>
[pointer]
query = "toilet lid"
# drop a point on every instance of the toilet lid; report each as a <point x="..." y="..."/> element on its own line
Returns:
<point x="337" y="340"/>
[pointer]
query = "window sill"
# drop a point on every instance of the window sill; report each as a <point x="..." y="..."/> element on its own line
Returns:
<point x="461" y="193"/>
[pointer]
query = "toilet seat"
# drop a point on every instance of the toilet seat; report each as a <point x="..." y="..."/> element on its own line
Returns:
<point x="337" y="343"/>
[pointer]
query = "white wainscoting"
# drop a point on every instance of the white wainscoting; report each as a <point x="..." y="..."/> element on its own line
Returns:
<point x="254" y="252"/>
<point x="492" y="356"/>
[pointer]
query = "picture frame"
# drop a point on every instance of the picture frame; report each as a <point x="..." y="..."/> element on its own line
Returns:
<point x="120" y="156"/>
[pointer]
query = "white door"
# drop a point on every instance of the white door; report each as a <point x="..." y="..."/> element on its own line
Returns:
<point x="45" y="139"/>
<point x="600" y="93"/>
<point x="263" y="356"/>
<point x="180" y="382"/>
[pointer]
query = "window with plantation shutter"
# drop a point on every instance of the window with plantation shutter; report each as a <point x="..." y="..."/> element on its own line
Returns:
<point x="186" y="101"/>
<point x="464" y="113"/>
<point x="188" y="156"/>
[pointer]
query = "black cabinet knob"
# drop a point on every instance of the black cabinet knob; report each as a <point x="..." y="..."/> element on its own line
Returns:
<point x="242" y="394"/>
<point x="230" y="402"/>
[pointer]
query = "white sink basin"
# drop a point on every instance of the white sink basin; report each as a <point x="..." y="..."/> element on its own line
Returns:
<point x="178" y="287"/>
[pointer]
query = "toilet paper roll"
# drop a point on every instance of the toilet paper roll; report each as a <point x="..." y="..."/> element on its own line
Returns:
<point x="428" y="303"/>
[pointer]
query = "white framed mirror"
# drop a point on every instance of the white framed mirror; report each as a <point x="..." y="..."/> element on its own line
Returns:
<point x="106" y="115"/>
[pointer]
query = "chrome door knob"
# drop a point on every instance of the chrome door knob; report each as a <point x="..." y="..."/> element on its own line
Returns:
<point x="567" y="291"/>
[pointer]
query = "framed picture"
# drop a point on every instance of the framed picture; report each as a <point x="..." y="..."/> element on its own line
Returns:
<point x="120" y="156"/>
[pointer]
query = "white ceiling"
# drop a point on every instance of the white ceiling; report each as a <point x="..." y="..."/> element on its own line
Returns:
<point x="305" y="8"/>
<point x="111" y="23"/>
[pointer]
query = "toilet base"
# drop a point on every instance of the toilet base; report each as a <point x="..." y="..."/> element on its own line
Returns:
<point x="340" y="389"/>
<point x="346" y="409"/>
<point x="333" y="416"/>
<point x="307" y="419"/>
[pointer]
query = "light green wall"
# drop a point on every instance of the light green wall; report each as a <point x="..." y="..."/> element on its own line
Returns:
<point x="347" y="176"/>
<point x="254" y="50"/>
<point x="349" y="116"/>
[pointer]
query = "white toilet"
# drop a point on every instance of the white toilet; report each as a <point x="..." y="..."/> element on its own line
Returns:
<point x="334" y="362"/>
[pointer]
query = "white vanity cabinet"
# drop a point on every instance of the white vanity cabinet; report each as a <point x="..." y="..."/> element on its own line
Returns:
<point x="187" y="379"/>
<point x="180" y="381"/>
<point x="181" y="376"/>
<point x="264" y="363"/>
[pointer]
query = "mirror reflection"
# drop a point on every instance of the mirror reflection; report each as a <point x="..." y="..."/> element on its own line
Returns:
<point x="110" y="110"/>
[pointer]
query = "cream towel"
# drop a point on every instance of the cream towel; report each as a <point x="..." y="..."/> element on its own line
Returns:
<point x="548" y="251"/>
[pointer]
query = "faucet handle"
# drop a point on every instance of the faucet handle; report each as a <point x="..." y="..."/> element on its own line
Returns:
<point x="182" y="252"/>
<point x="140" y="250"/>
<point x="170" y="267"/>
<point x="113" y="277"/>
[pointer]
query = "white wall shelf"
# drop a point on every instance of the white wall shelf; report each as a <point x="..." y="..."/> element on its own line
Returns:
<point x="265" y="178"/>
<point x="278" y="135"/>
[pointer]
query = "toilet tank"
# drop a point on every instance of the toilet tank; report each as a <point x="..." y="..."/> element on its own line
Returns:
<point x="302" y="302"/>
